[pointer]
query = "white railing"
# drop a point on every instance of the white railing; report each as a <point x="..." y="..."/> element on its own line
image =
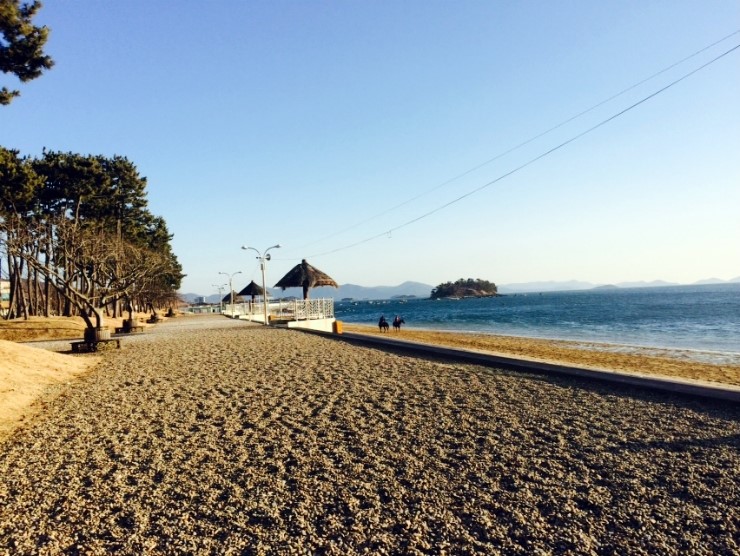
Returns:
<point x="297" y="309"/>
<point x="309" y="309"/>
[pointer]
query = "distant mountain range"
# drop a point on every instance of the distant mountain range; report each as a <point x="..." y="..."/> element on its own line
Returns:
<point x="418" y="289"/>
<point x="352" y="291"/>
<point x="572" y="285"/>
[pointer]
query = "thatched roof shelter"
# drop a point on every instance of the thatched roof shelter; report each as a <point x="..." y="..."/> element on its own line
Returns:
<point x="252" y="289"/>
<point x="305" y="276"/>
<point x="227" y="298"/>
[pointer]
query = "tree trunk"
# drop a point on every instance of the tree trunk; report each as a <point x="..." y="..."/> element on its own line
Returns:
<point x="33" y="291"/>
<point x="10" y="285"/>
<point x="67" y="301"/>
<point x="96" y="334"/>
<point x="18" y="298"/>
<point x="47" y="285"/>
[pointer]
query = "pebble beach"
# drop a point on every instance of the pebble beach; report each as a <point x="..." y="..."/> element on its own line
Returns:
<point x="211" y="436"/>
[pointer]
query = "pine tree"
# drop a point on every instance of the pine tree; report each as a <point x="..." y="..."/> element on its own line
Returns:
<point x="21" y="44"/>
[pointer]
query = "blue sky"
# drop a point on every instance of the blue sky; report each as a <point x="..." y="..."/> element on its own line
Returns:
<point x="331" y="127"/>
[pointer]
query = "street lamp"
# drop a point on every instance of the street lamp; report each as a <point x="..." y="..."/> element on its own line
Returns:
<point x="220" y="297"/>
<point x="231" y="288"/>
<point x="263" y="258"/>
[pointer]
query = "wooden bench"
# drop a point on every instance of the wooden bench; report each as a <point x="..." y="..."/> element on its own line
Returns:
<point x="84" y="345"/>
<point x="122" y="330"/>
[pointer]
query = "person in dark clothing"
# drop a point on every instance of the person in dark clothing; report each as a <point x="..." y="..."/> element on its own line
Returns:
<point x="383" y="324"/>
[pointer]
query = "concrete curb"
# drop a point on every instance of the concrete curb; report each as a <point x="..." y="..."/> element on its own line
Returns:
<point x="665" y="384"/>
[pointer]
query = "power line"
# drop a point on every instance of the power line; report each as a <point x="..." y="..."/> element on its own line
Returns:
<point x="523" y="143"/>
<point x="531" y="161"/>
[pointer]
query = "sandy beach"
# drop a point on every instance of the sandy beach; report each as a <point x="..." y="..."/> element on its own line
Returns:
<point x="211" y="436"/>
<point x="590" y="355"/>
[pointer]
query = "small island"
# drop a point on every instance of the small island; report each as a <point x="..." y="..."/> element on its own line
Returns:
<point x="465" y="288"/>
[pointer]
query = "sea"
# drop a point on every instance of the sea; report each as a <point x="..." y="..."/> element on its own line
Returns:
<point x="703" y="321"/>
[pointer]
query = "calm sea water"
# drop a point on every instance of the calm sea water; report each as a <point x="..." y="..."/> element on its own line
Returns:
<point x="698" y="318"/>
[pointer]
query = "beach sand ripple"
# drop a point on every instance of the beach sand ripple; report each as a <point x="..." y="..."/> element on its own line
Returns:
<point x="213" y="436"/>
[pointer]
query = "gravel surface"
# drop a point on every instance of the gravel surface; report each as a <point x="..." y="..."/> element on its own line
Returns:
<point x="211" y="436"/>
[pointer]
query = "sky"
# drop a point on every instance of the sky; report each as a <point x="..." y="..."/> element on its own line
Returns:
<point x="387" y="142"/>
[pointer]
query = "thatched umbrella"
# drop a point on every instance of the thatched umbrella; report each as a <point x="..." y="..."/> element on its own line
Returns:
<point x="305" y="276"/>
<point x="252" y="289"/>
<point x="227" y="298"/>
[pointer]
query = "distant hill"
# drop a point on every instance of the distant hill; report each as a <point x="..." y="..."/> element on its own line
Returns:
<point x="573" y="285"/>
<point x="416" y="289"/>
<point x="709" y="281"/>
<point x="643" y="284"/>
<point x="190" y="297"/>
<point x="378" y="292"/>
<point x="551" y="286"/>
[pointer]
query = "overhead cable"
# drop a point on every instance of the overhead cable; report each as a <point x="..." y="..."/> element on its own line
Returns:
<point x="523" y="143"/>
<point x="532" y="160"/>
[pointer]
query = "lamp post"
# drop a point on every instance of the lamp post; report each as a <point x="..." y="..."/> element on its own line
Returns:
<point x="231" y="288"/>
<point x="220" y="297"/>
<point x="263" y="258"/>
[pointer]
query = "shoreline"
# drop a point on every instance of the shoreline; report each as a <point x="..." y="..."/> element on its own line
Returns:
<point x="734" y="356"/>
<point x="594" y="355"/>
